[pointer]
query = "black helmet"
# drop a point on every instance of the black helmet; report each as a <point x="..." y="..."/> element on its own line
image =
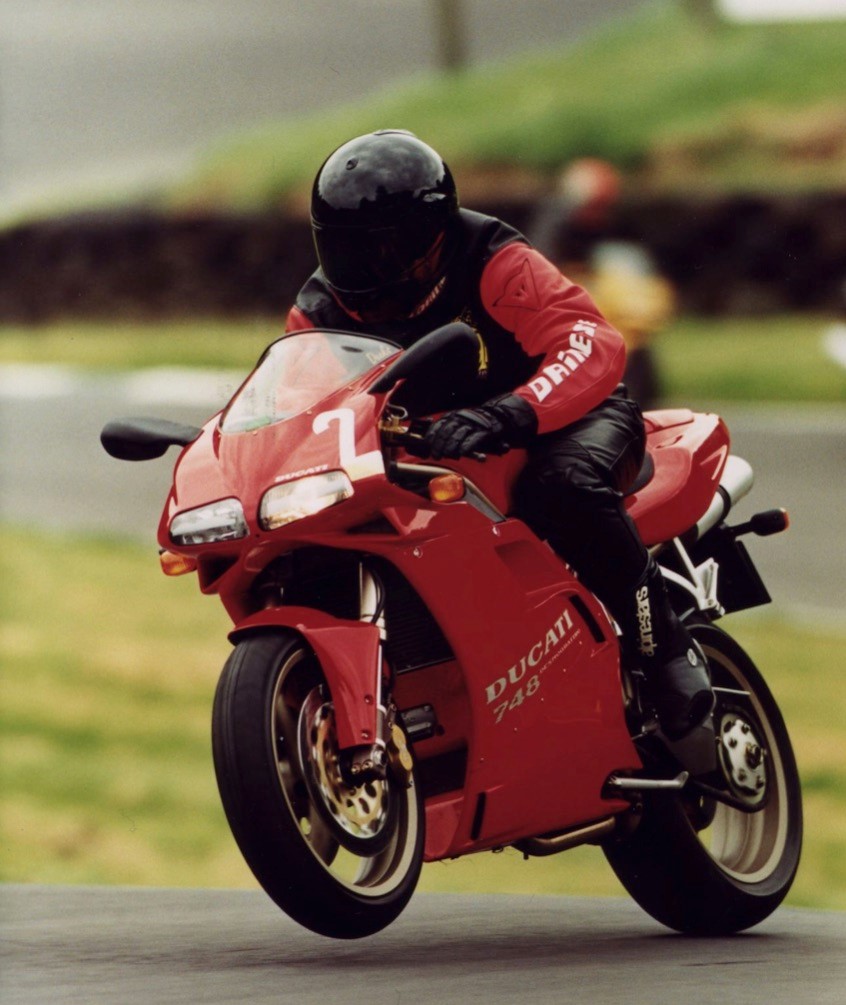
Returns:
<point x="384" y="213"/>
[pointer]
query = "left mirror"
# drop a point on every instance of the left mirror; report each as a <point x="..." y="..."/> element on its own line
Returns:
<point x="144" y="439"/>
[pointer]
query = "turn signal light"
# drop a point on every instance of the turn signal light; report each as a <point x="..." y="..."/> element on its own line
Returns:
<point x="177" y="565"/>
<point x="771" y="521"/>
<point x="446" y="488"/>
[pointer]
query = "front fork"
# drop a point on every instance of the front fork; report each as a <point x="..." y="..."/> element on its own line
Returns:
<point x="389" y="750"/>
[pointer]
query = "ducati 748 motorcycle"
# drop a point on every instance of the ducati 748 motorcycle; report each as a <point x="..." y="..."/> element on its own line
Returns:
<point x="416" y="676"/>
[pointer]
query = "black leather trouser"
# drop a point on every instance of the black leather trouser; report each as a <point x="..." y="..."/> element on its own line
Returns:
<point x="570" y="494"/>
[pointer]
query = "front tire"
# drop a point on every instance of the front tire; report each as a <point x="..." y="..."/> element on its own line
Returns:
<point x="342" y="862"/>
<point x="698" y="865"/>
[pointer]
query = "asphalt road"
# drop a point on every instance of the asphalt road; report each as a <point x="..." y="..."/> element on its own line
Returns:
<point x="101" y="92"/>
<point x="86" y="946"/>
<point x="56" y="475"/>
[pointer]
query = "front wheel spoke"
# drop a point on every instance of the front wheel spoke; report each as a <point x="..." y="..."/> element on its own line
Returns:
<point x="320" y="837"/>
<point x="284" y="719"/>
<point x="373" y="870"/>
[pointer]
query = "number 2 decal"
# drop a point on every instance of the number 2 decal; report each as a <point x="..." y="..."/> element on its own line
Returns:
<point x="345" y="417"/>
<point x="356" y="465"/>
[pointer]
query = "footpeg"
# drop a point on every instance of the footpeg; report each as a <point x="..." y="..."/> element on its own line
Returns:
<point x="626" y="784"/>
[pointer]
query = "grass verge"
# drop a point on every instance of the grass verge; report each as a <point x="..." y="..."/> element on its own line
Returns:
<point x="108" y="677"/>
<point x="777" y="358"/>
<point x="124" y="345"/>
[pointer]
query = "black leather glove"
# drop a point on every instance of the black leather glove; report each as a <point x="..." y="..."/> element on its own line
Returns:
<point x="493" y="428"/>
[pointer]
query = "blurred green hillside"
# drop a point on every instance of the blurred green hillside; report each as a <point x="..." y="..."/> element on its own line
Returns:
<point x="673" y="102"/>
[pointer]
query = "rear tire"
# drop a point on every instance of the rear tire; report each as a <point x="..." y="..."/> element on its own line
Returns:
<point x="698" y="865"/>
<point x="344" y="863"/>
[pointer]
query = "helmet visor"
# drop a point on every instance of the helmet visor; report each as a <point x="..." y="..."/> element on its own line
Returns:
<point x="363" y="259"/>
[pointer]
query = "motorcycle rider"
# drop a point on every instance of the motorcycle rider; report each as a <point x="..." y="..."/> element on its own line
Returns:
<point x="397" y="258"/>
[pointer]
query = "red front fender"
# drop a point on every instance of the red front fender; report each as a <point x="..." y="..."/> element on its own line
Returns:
<point x="349" y="655"/>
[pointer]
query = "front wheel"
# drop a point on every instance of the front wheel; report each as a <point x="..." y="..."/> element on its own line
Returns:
<point x="703" y="867"/>
<point x="341" y="861"/>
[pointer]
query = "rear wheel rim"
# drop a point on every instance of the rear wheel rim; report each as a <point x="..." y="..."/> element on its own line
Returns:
<point x="748" y="847"/>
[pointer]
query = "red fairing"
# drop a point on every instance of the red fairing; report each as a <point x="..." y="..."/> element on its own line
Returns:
<point x="583" y="356"/>
<point x="297" y="321"/>
<point x="349" y="655"/>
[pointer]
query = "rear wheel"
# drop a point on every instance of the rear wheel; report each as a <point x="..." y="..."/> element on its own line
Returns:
<point x="342" y="861"/>
<point x="696" y="864"/>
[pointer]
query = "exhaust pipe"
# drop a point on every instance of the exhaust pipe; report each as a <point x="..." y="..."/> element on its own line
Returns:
<point x="735" y="483"/>
<point x="551" y="845"/>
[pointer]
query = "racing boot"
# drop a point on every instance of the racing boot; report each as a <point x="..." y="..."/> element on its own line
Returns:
<point x="673" y="664"/>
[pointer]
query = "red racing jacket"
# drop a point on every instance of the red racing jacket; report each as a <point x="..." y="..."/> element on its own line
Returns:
<point x="545" y="338"/>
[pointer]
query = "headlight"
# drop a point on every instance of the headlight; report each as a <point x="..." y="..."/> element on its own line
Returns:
<point x="302" y="497"/>
<point x="219" y="521"/>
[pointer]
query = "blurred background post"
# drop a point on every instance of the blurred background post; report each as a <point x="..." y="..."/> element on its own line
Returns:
<point x="451" y="34"/>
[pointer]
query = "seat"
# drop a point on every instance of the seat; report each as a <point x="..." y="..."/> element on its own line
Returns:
<point x="688" y="452"/>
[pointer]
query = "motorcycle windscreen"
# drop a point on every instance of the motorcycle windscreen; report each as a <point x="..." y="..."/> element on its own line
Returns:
<point x="298" y="371"/>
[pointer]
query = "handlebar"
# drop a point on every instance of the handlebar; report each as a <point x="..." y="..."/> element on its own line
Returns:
<point x="413" y="438"/>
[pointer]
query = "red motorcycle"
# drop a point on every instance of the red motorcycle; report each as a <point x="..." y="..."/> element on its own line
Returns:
<point x="416" y="676"/>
